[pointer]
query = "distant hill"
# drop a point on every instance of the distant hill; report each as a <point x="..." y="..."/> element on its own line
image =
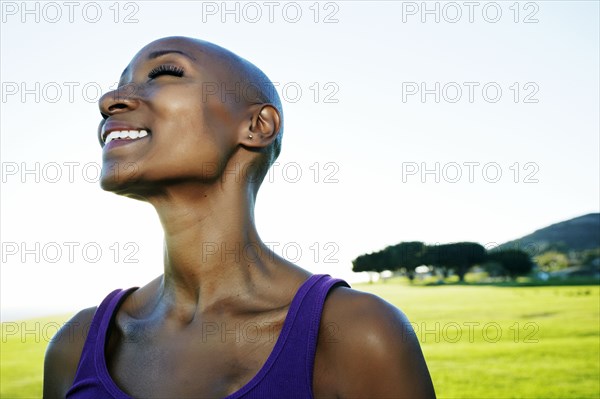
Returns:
<point x="575" y="234"/>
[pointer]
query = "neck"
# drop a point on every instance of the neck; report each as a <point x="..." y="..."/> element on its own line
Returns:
<point x="212" y="252"/>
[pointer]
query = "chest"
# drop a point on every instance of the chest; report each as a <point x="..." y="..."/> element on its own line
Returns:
<point x="215" y="358"/>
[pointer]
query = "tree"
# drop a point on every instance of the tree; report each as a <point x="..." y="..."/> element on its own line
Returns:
<point x="407" y="256"/>
<point x="552" y="261"/>
<point x="433" y="258"/>
<point x="459" y="257"/>
<point x="585" y="258"/>
<point x="514" y="261"/>
<point x="361" y="264"/>
<point x="373" y="262"/>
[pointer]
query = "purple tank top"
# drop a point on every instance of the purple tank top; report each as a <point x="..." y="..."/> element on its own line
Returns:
<point x="287" y="373"/>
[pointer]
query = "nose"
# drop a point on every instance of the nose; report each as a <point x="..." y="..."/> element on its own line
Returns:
<point x="124" y="98"/>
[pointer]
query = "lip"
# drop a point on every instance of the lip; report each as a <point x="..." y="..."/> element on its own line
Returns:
<point x="112" y="126"/>
<point x="120" y="143"/>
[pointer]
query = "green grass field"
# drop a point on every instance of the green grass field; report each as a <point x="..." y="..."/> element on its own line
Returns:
<point x="479" y="341"/>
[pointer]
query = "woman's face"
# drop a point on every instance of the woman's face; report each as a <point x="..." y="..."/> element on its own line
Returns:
<point x="182" y="128"/>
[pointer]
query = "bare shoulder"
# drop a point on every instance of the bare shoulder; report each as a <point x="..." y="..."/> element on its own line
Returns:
<point x="377" y="346"/>
<point x="63" y="353"/>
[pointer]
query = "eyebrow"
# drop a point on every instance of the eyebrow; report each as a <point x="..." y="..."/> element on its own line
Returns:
<point x="160" y="53"/>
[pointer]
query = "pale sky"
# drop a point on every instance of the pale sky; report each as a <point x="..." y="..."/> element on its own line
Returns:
<point x="513" y="139"/>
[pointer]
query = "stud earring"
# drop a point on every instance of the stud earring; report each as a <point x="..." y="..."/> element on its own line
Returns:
<point x="250" y="136"/>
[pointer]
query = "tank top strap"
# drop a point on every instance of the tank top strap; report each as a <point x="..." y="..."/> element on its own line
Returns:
<point x="316" y="301"/>
<point x="290" y="374"/>
<point x="86" y="376"/>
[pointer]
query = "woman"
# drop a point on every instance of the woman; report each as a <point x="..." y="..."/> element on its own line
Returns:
<point x="192" y="130"/>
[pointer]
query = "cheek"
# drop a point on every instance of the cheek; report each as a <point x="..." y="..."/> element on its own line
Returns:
<point x="191" y="136"/>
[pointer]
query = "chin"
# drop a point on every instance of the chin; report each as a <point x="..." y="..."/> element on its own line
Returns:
<point x="113" y="185"/>
<point x="126" y="189"/>
<point x="116" y="174"/>
<point x="119" y="179"/>
<point x="124" y="182"/>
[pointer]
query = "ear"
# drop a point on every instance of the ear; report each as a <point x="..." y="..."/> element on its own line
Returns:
<point x="262" y="127"/>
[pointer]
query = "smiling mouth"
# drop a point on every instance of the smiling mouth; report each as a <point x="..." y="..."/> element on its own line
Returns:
<point x="125" y="135"/>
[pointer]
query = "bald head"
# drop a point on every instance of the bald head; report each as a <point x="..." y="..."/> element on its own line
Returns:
<point x="238" y="82"/>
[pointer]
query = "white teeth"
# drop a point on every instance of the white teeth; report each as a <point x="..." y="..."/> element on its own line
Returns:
<point x="125" y="134"/>
<point x="111" y="136"/>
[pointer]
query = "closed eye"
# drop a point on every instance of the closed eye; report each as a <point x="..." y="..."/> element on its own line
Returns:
<point x="165" y="69"/>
